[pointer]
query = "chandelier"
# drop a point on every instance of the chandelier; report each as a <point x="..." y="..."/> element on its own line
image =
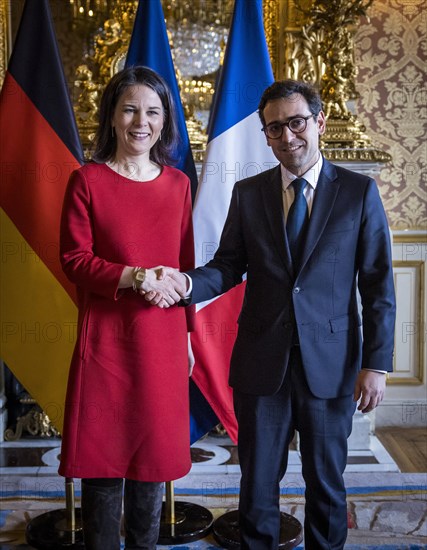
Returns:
<point x="90" y="8"/>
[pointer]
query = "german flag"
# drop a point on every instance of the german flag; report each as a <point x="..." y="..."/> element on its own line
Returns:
<point x="40" y="146"/>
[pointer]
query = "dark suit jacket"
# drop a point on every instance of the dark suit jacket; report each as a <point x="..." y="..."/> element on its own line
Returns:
<point x="347" y="244"/>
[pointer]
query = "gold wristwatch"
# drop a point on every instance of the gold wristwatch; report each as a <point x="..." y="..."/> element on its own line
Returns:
<point x="138" y="276"/>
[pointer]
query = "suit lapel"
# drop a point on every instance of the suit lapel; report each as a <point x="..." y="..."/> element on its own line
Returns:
<point x="326" y="192"/>
<point x="273" y="203"/>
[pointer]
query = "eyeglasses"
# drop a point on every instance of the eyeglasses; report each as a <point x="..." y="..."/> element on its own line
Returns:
<point x="296" y="125"/>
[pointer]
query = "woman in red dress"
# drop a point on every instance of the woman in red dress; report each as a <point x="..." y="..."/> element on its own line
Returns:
<point x="127" y="410"/>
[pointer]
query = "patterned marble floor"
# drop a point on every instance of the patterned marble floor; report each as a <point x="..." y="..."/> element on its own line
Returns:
<point x="213" y="454"/>
<point x="387" y="509"/>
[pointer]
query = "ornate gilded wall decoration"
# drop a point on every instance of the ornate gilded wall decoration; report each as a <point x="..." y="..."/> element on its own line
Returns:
<point x="318" y="47"/>
<point x="87" y="103"/>
<point x="273" y="32"/>
<point x="106" y="55"/>
<point x="391" y="51"/>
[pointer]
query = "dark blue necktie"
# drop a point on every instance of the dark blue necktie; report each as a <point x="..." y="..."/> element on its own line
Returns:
<point x="297" y="220"/>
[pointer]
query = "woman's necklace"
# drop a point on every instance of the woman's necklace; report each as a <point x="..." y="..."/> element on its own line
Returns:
<point x="133" y="171"/>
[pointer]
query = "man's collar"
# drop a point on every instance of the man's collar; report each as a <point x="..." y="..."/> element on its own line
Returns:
<point x="312" y="175"/>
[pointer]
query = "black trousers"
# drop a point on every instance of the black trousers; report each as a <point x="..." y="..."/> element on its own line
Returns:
<point x="266" y="428"/>
<point x="102" y="511"/>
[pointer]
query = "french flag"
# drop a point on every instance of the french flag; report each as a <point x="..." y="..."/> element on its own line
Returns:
<point x="149" y="46"/>
<point x="236" y="149"/>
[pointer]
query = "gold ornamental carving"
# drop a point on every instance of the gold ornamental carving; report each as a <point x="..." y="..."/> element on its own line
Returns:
<point x="35" y="423"/>
<point x="5" y="45"/>
<point x="319" y="48"/>
<point x="273" y="32"/>
<point x="110" y="47"/>
<point x="335" y="29"/>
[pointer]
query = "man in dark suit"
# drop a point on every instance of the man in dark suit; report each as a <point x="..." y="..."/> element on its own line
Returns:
<point x="299" y="360"/>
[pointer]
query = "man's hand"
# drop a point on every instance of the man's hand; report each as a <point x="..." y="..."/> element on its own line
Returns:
<point x="180" y="279"/>
<point x="163" y="287"/>
<point x="370" y="389"/>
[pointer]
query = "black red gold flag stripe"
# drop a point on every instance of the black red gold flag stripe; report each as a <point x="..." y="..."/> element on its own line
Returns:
<point x="40" y="146"/>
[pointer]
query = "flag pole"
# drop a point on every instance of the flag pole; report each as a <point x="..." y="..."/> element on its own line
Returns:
<point x="182" y="522"/>
<point x="59" y="528"/>
<point x="70" y="504"/>
<point x="170" y="503"/>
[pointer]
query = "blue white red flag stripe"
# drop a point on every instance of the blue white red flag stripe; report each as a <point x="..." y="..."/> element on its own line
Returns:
<point x="236" y="149"/>
<point x="149" y="46"/>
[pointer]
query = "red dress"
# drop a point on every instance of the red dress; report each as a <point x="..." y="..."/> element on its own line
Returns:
<point x="127" y="407"/>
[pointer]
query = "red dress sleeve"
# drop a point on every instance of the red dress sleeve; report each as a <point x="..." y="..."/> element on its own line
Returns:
<point x="78" y="259"/>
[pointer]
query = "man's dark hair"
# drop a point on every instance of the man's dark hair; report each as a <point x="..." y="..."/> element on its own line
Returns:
<point x="284" y="89"/>
<point x="163" y="151"/>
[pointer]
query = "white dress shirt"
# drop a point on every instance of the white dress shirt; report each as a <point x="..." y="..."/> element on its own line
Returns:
<point x="311" y="176"/>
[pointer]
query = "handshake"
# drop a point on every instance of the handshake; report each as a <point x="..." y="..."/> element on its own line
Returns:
<point x="163" y="286"/>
